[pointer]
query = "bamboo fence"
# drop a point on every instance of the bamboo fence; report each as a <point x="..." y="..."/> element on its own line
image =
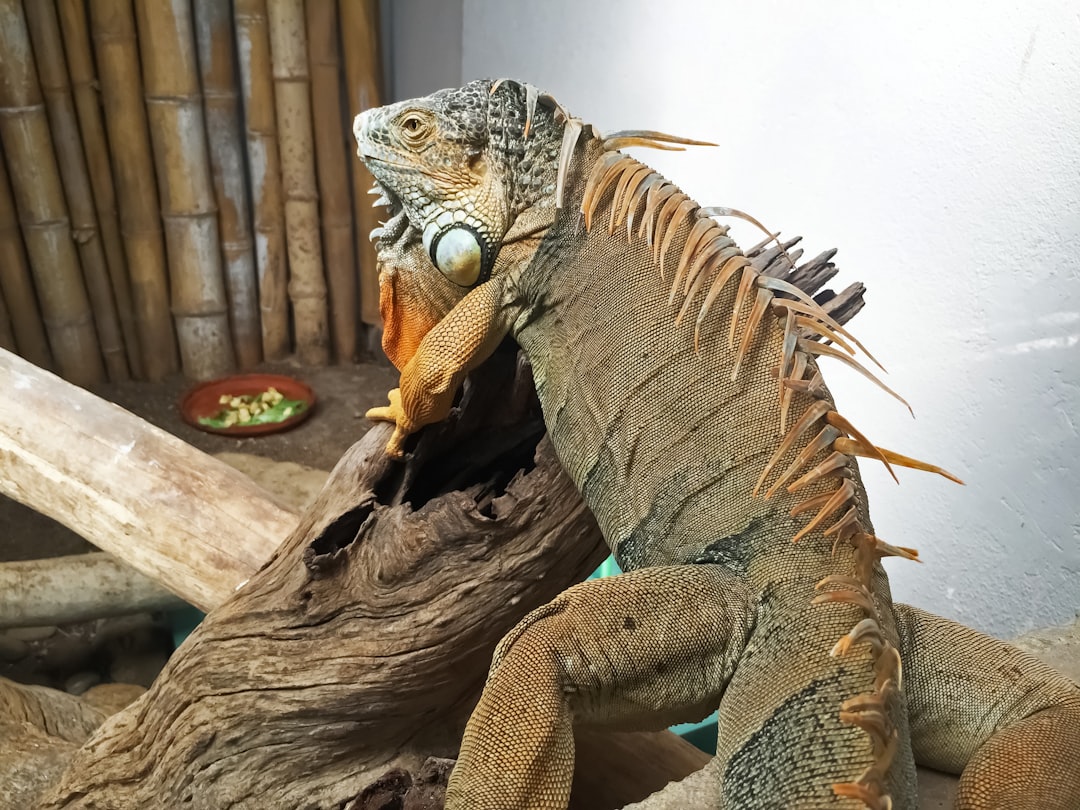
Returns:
<point x="42" y="210"/>
<point x="363" y="77"/>
<point x="175" y="184"/>
<point x="224" y="129"/>
<point x="16" y="284"/>
<point x="60" y="106"/>
<point x="292" y="98"/>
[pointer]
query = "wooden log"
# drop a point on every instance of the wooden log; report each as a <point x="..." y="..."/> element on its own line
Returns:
<point x="182" y="518"/>
<point x="84" y="84"/>
<point x="40" y="730"/>
<point x="16" y="284"/>
<point x="264" y="165"/>
<point x="75" y="588"/>
<point x="363" y="78"/>
<point x="117" y="57"/>
<point x="360" y="642"/>
<point x="224" y="130"/>
<point x="63" y="123"/>
<point x="332" y="162"/>
<point x="39" y="198"/>
<point x="178" y="134"/>
<point x="292" y="101"/>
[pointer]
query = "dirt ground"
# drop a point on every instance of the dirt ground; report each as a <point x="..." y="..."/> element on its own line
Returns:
<point x="343" y="394"/>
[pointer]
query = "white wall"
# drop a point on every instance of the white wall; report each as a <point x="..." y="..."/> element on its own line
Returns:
<point x="938" y="146"/>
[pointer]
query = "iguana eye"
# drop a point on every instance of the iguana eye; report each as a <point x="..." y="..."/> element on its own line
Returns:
<point x="415" y="127"/>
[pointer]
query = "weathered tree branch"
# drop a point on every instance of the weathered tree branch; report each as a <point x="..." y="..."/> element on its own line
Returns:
<point x="168" y="510"/>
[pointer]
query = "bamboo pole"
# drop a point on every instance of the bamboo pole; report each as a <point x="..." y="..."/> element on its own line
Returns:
<point x="7" y="334"/>
<point x="178" y="135"/>
<point x="331" y="162"/>
<point x="39" y="198"/>
<point x="117" y="57"/>
<point x="60" y="108"/>
<point x="16" y="283"/>
<point x="80" y="63"/>
<point x="221" y="101"/>
<point x="292" y="100"/>
<point x="363" y="75"/>
<point x="260" y="121"/>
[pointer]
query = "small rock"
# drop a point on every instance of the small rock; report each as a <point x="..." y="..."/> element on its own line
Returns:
<point x="65" y="653"/>
<point x="33" y="633"/>
<point x="81" y="681"/>
<point x="12" y="649"/>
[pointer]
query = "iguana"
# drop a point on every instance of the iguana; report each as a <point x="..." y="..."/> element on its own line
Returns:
<point x="681" y="390"/>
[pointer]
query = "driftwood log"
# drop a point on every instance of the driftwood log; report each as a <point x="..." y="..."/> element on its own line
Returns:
<point x="335" y="674"/>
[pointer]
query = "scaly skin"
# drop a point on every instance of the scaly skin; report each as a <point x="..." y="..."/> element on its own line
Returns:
<point x="701" y="465"/>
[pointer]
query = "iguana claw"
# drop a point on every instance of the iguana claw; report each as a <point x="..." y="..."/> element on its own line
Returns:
<point x="395" y="448"/>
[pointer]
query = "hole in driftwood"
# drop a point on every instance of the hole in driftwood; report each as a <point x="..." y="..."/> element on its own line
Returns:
<point x="325" y="550"/>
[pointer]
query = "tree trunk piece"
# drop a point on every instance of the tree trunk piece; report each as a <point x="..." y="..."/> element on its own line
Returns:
<point x="188" y="521"/>
<point x="75" y="588"/>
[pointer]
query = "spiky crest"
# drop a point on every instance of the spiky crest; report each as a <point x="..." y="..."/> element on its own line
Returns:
<point x="706" y="253"/>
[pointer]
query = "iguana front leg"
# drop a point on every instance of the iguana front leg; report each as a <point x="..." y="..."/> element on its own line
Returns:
<point x="458" y="343"/>
<point x="649" y="647"/>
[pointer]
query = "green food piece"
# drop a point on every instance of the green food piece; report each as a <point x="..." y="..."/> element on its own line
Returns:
<point x="278" y="412"/>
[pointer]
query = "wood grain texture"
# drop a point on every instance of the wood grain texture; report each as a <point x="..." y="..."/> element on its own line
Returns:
<point x="188" y="521"/>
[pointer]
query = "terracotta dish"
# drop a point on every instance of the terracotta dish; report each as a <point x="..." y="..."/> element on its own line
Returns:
<point x="203" y="401"/>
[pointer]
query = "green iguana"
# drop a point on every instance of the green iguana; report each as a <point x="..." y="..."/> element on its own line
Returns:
<point x="682" y="393"/>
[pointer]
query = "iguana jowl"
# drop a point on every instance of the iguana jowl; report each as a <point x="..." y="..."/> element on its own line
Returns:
<point x="681" y="390"/>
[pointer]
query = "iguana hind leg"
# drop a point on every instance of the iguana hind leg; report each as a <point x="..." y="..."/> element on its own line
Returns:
<point x="980" y="706"/>
<point x="650" y="647"/>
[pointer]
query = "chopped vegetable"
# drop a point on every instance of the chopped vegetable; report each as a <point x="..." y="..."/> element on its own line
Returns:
<point x="253" y="409"/>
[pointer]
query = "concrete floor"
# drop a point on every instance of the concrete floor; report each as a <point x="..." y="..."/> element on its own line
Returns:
<point x="291" y="464"/>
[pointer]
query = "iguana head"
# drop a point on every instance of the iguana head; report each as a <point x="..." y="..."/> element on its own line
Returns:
<point x="468" y="171"/>
<point x="463" y="164"/>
